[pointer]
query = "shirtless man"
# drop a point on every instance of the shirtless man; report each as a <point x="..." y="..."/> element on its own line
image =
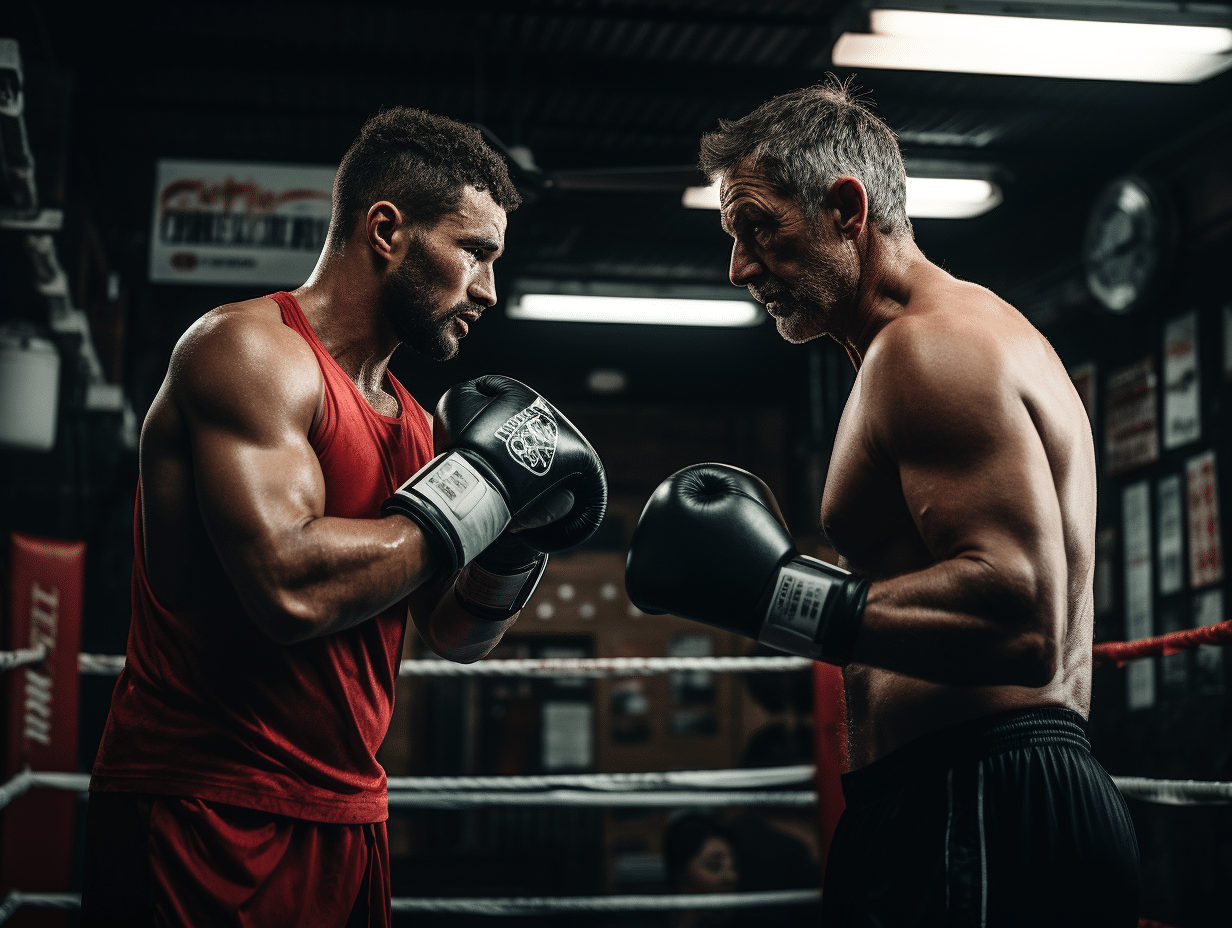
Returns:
<point x="276" y="555"/>
<point x="961" y="496"/>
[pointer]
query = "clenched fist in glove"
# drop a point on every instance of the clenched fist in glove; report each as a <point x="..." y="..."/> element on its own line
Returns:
<point x="712" y="546"/>
<point x="505" y="456"/>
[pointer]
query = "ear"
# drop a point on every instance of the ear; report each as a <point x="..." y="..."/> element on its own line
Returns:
<point x="847" y="196"/>
<point x="381" y="224"/>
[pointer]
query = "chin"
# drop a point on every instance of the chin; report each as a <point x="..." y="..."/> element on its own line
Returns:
<point x="796" y="329"/>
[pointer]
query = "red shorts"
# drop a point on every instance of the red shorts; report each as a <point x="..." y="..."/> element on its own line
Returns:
<point x="173" y="861"/>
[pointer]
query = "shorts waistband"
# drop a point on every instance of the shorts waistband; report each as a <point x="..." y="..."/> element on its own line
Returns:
<point x="977" y="739"/>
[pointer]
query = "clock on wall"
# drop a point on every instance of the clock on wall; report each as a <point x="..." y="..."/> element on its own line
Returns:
<point x="1127" y="245"/>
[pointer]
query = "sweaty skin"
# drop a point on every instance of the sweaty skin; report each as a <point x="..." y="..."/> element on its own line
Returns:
<point x="962" y="481"/>
<point x="233" y="498"/>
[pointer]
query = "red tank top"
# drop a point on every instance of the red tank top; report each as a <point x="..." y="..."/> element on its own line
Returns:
<point x="208" y="706"/>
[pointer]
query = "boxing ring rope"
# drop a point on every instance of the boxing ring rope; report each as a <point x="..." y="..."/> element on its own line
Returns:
<point x="675" y="788"/>
<point x="590" y="668"/>
<point x="510" y="905"/>
<point x="21" y="657"/>
<point x="1122" y="652"/>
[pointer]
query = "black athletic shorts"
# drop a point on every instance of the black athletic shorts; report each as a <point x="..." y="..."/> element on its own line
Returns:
<point x="1006" y="820"/>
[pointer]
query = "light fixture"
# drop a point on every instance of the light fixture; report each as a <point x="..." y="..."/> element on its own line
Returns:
<point x="950" y="197"/>
<point x="640" y="310"/>
<point x="918" y="40"/>
<point x="927" y="197"/>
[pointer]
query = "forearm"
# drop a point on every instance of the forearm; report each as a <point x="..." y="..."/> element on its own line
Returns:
<point x="961" y="621"/>
<point x="331" y="573"/>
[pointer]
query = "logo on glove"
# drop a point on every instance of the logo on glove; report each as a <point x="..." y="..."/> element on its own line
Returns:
<point x="530" y="436"/>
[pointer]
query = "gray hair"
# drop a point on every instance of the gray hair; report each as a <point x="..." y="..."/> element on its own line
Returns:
<point x="803" y="141"/>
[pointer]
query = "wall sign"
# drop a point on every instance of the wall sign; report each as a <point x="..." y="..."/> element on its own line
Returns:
<point x="1208" y="610"/>
<point x="1205" y="550"/>
<point x="1182" y="409"/>
<point x="1171" y="534"/>
<point x="1136" y="519"/>
<point x="226" y="222"/>
<point x="1131" y="426"/>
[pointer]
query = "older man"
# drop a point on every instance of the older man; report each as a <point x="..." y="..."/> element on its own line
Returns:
<point x="961" y="497"/>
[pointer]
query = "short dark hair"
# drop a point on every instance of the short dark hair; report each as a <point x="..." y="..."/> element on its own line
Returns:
<point x="805" y="140"/>
<point x="418" y="161"/>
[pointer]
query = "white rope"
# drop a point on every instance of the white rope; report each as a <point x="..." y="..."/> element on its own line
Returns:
<point x="586" y="798"/>
<point x="16" y="899"/>
<point x="1175" y="792"/>
<point x="22" y="656"/>
<point x="25" y="780"/>
<point x="692" y="787"/>
<point x="596" y="667"/>
<point x="102" y="665"/>
<point x="546" y="905"/>
<point x="756" y="778"/>
<point x="587" y="667"/>
<point x="529" y="905"/>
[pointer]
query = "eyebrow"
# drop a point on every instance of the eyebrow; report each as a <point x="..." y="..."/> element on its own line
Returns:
<point x="490" y="244"/>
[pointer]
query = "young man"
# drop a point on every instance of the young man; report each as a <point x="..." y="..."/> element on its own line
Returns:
<point x="277" y="556"/>
<point x="961" y="495"/>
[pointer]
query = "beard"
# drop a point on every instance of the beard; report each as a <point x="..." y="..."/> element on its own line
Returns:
<point x="815" y="304"/>
<point x="410" y="301"/>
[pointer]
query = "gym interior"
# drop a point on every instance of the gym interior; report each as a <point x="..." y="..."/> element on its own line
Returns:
<point x="1103" y="213"/>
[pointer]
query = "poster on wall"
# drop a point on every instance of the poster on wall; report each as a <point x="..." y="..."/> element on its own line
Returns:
<point x="1171" y="534"/>
<point x="1208" y="610"/>
<point x="1173" y="668"/>
<point x="1083" y="376"/>
<point x="1182" y="406"/>
<point x="227" y="222"/>
<point x="1131" y="425"/>
<point x="1136" y="519"/>
<point x="1205" y="550"/>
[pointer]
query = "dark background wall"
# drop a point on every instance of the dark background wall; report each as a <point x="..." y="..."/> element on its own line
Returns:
<point x="624" y="84"/>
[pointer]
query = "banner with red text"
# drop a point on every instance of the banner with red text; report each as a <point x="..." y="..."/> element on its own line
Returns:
<point x="36" y="830"/>
<point x="226" y="222"/>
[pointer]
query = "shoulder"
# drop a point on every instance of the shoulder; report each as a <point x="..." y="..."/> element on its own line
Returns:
<point x="947" y="364"/>
<point x="958" y="336"/>
<point x="241" y="351"/>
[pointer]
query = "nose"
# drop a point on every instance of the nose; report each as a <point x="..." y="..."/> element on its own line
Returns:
<point x="483" y="287"/>
<point x="745" y="266"/>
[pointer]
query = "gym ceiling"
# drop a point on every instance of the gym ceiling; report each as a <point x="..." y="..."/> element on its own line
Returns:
<point x="602" y="94"/>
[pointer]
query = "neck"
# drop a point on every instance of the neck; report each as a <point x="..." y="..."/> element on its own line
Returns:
<point x="891" y="267"/>
<point x="342" y="304"/>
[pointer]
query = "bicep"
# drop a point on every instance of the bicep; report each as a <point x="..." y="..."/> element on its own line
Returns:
<point x="257" y="478"/>
<point x="974" y="474"/>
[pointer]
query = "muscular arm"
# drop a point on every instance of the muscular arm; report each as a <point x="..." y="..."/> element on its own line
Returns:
<point x="248" y="389"/>
<point x="991" y="608"/>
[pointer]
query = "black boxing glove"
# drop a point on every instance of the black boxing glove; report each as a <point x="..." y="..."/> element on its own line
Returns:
<point x="503" y="450"/>
<point x="712" y="546"/>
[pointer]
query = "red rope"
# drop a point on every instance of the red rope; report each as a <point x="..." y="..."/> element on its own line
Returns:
<point x="1122" y="652"/>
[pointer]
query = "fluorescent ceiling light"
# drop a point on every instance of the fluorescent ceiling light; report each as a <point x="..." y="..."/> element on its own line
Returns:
<point x="950" y="197"/>
<point x="961" y="42"/>
<point x="927" y="197"/>
<point x="565" y="307"/>
<point x="701" y="197"/>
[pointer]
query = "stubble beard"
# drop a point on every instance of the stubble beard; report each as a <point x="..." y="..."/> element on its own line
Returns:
<point x="816" y="303"/>
<point x="409" y="300"/>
